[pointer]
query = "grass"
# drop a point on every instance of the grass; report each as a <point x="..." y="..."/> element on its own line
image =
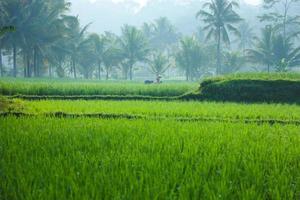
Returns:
<point x="291" y="76"/>
<point x="46" y="158"/>
<point x="167" y="109"/>
<point x="57" y="87"/>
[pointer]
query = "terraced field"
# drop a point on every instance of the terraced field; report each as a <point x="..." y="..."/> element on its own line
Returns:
<point x="104" y="149"/>
<point x="162" y="109"/>
<point x="57" y="87"/>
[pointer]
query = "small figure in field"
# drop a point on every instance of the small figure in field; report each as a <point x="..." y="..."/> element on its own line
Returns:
<point x="158" y="79"/>
<point x="147" y="82"/>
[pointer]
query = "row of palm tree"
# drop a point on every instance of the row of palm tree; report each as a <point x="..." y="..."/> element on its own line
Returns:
<point x="275" y="51"/>
<point x="47" y="41"/>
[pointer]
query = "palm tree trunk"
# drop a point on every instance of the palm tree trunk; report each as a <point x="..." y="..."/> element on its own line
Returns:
<point x="28" y="66"/>
<point x="107" y="74"/>
<point x="74" y="69"/>
<point x="1" y="64"/>
<point x="125" y="72"/>
<point x="99" y="70"/>
<point x="14" y="60"/>
<point x="24" y="64"/>
<point x="219" y="53"/>
<point x="286" y="8"/>
<point x="50" y="71"/>
<point x="35" y="62"/>
<point x="187" y="75"/>
<point x="130" y="72"/>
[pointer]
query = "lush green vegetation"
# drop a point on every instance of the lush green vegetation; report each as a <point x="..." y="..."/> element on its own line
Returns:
<point x="247" y="87"/>
<point x="253" y="91"/>
<point x="48" y="87"/>
<point x="46" y="158"/>
<point x="258" y="76"/>
<point x="173" y="109"/>
<point x="281" y="87"/>
<point x="224" y="43"/>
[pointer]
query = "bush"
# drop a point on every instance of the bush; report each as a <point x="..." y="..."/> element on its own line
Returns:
<point x="277" y="88"/>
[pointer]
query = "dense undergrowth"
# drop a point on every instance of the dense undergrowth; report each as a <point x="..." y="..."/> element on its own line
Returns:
<point x="272" y="88"/>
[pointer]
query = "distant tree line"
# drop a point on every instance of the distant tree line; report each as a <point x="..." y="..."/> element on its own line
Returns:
<point x="41" y="39"/>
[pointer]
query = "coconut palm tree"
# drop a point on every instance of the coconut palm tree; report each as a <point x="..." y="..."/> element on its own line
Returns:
<point x="46" y="30"/>
<point x="133" y="45"/>
<point x="246" y="39"/>
<point x="17" y="15"/>
<point x="263" y="51"/>
<point x="111" y="58"/>
<point x="281" y="17"/>
<point x="158" y="65"/>
<point x="77" y="41"/>
<point x="233" y="62"/>
<point x="164" y="34"/>
<point x="99" y="44"/>
<point x="284" y="53"/>
<point x="190" y="57"/>
<point x="219" y="19"/>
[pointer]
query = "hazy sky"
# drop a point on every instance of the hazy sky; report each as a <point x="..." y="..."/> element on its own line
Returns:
<point x="144" y="2"/>
<point x="110" y="15"/>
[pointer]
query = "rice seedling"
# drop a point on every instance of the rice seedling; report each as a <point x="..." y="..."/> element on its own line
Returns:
<point x="48" y="158"/>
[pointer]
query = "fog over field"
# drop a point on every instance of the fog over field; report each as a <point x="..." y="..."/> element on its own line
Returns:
<point x="110" y="15"/>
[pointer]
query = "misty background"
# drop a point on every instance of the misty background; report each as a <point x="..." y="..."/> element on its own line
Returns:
<point x="110" y="15"/>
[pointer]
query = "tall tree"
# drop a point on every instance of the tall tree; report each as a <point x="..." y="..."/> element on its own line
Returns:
<point x="279" y="16"/>
<point x="246" y="38"/>
<point x="133" y="45"/>
<point x="233" y="62"/>
<point x="219" y="18"/>
<point x="263" y="51"/>
<point x="111" y="58"/>
<point x="164" y="34"/>
<point x="77" y="42"/>
<point x="190" y="57"/>
<point x="99" y="46"/>
<point x="285" y="55"/>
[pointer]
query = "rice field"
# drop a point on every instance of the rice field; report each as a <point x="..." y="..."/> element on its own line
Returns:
<point x="45" y="87"/>
<point x="133" y="149"/>
<point x="173" y="109"/>
<point x="49" y="158"/>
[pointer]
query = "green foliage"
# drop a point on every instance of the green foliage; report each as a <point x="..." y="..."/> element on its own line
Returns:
<point x="138" y="159"/>
<point x="8" y="105"/>
<point x="282" y="88"/>
<point x="6" y="29"/>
